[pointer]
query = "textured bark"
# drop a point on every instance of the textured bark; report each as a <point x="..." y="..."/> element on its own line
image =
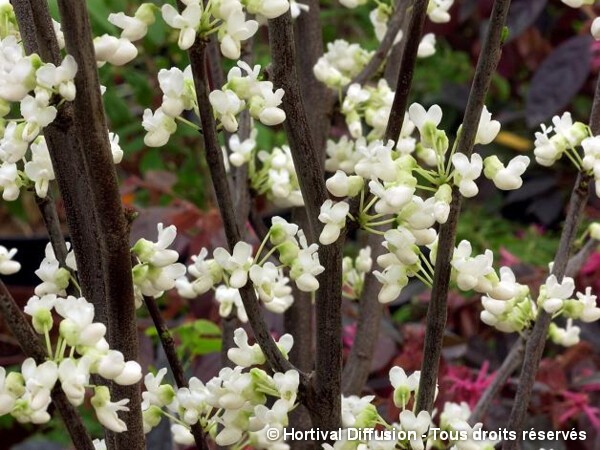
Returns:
<point x="325" y="398"/>
<point x="437" y="311"/>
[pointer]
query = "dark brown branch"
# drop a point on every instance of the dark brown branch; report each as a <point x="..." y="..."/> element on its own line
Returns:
<point x="32" y="347"/>
<point x="536" y="344"/>
<point x="168" y="345"/>
<point x="67" y="159"/>
<point x="509" y="365"/>
<point x="325" y="406"/>
<point x="358" y="366"/>
<point x="111" y="225"/>
<point x="537" y="340"/>
<point x="394" y="25"/>
<point x="407" y="67"/>
<point x="315" y="93"/>
<point x="214" y="158"/>
<point x="437" y="313"/>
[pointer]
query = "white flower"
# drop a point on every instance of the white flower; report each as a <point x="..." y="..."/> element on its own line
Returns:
<point x="236" y="29"/>
<point x="159" y="127"/>
<point x="401" y="243"/>
<point x="472" y="272"/>
<point x="509" y="177"/>
<point x="182" y="435"/>
<point x="352" y="407"/>
<point x="245" y="355"/>
<point x="420" y="424"/>
<point x="134" y="28"/>
<point x="78" y="328"/>
<point x="9" y="181"/>
<point x="106" y="410"/>
<point x="403" y="385"/>
<point x="38" y="113"/>
<point x="61" y="78"/>
<point x="268" y="8"/>
<point x="12" y="145"/>
<point x="156" y="393"/>
<point x="157" y="253"/>
<point x="394" y="279"/>
<point x="39" y="169"/>
<point x="437" y="10"/>
<point x="187" y="22"/>
<point x="591" y="311"/>
<point x="11" y="388"/>
<point x="237" y="264"/>
<point x="426" y="46"/>
<point x="99" y="444"/>
<point x="376" y="161"/>
<point x="466" y="172"/>
<point x="228" y="298"/>
<point x="487" y="129"/>
<point x="74" y="375"/>
<point x="17" y="73"/>
<point x="425" y="121"/>
<point x="334" y="218"/>
<point x="116" y="51"/>
<point x="7" y="265"/>
<point x="392" y="197"/>
<point x="556" y="293"/>
<point x="595" y="30"/>
<point x="39" y="308"/>
<point x="115" y="148"/>
<point x="226" y="105"/>
<point x="566" y="337"/>
<point x="507" y="288"/>
<point x="306" y="266"/>
<point x="178" y="90"/>
<point x="39" y="381"/>
<point x="241" y="152"/>
<point x="577" y="3"/>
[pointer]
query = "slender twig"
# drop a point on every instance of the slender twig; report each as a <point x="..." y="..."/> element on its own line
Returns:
<point x="325" y="406"/>
<point x="47" y="209"/>
<point x="32" y="347"/>
<point x="509" y="365"/>
<point x="214" y="158"/>
<point x="536" y="344"/>
<point x="168" y="345"/>
<point x="358" y="364"/>
<point x="418" y="11"/>
<point x="437" y="313"/>
<point x="393" y="27"/>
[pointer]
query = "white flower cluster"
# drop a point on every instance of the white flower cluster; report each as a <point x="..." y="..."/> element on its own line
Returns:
<point x="244" y="90"/>
<point x="39" y="89"/>
<point x="157" y="267"/>
<point x="239" y="398"/>
<point x="359" y="412"/>
<point x="233" y="270"/>
<point x="564" y="138"/>
<point x="394" y="177"/>
<point x="341" y="63"/>
<point x="354" y="271"/>
<point x="79" y="352"/>
<point x="510" y="307"/>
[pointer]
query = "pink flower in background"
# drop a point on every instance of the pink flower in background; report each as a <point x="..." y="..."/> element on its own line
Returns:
<point x="348" y="335"/>
<point x="507" y="258"/>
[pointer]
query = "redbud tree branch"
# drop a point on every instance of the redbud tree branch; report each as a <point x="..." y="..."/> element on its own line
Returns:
<point x="65" y="151"/>
<point x="437" y="313"/>
<point x="33" y="348"/>
<point x="168" y="345"/>
<point x="515" y="357"/>
<point x="358" y="365"/>
<point x="393" y="27"/>
<point x="214" y="158"/>
<point x="325" y="403"/>
<point x="537" y="341"/>
<point x="418" y="12"/>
